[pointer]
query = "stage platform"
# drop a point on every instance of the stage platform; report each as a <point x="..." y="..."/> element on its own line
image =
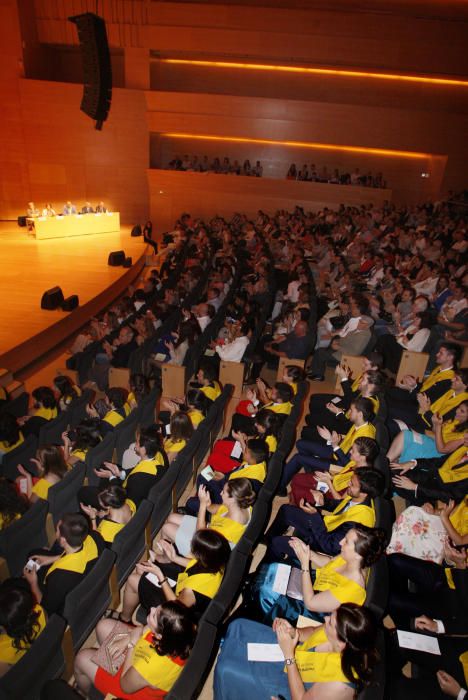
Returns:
<point x="78" y="265"/>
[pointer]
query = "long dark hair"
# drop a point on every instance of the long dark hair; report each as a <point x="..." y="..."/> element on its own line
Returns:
<point x="211" y="549"/>
<point x="11" y="503"/>
<point x="356" y="627"/>
<point x="17" y="615"/>
<point x="370" y="543"/>
<point x="177" y="630"/>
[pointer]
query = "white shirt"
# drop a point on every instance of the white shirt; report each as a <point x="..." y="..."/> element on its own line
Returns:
<point x="233" y="352"/>
<point x="203" y="321"/>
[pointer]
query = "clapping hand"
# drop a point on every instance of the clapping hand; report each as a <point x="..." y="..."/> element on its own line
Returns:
<point x="426" y="623"/>
<point x="301" y="550"/>
<point x="306" y="507"/>
<point x="204" y="496"/>
<point x="324" y="433"/>
<point x="109" y="469"/>
<point x="404" y="483"/>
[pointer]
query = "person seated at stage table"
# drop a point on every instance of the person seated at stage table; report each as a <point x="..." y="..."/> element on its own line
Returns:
<point x="87" y="209"/>
<point x="32" y="212"/>
<point x="100" y="208"/>
<point x="69" y="209"/>
<point x="49" y="210"/>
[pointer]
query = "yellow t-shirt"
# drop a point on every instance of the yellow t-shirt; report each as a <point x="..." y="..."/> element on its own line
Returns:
<point x="8" y="653"/>
<point x="41" y="488"/>
<point x="318" y="666"/>
<point x="364" y="430"/>
<point x="342" y="480"/>
<point x="195" y="416"/>
<point x="343" y="589"/>
<point x="5" y="447"/>
<point x="459" y="517"/>
<point x="171" y="445"/>
<point x="212" y="391"/>
<point x="47" y="413"/>
<point x="250" y="471"/>
<point x="113" y="418"/>
<point x="231" y="529"/>
<point x="356" y="513"/>
<point x="284" y="408"/>
<point x="272" y="443"/>
<point x="207" y="584"/>
<point x="159" y="671"/>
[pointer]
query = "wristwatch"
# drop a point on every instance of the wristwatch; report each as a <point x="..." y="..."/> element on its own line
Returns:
<point x="290" y="662"/>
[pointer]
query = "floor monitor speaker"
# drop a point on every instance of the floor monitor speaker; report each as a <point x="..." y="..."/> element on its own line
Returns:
<point x="52" y="299"/>
<point x="70" y="303"/>
<point x="116" y="258"/>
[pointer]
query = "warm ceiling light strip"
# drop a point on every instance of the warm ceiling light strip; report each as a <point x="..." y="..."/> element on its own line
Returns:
<point x="320" y="71"/>
<point x="302" y="144"/>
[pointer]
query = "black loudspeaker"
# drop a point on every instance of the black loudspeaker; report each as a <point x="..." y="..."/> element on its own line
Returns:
<point x="97" y="70"/>
<point x="21" y="221"/>
<point x="136" y="231"/>
<point x="116" y="258"/>
<point x="70" y="303"/>
<point x="52" y="299"/>
<point x="128" y="262"/>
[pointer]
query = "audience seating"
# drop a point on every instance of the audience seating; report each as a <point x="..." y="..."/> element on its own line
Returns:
<point x="77" y="407"/>
<point x="18" y="406"/>
<point x="21" y="537"/>
<point x="255" y="529"/>
<point x="85" y="605"/>
<point x="147" y="408"/>
<point x="377" y="588"/>
<point x="129" y="546"/>
<point x="103" y="452"/>
<point x="197" y="668"/>
<point x="51" y="432"/>
<point x="413" y="363"/>
<point x="20" y="455"/>
<point x="63" y="496"/>
<point x="225" y="598"/>
<point x="124" y="435"/>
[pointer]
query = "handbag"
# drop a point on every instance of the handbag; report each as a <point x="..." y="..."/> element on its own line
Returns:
<point x="103" y="657"/>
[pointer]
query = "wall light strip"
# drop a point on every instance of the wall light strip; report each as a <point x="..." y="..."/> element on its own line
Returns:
<point x="302" y="144"/>
<point x="319" y="71"/>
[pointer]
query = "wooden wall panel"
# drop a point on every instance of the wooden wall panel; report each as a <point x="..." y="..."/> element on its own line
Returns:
<point x="204" y="195"/>
<point x="68" y="159"/>
<point x="397" y="128"/>
<point x="349" y="36"/>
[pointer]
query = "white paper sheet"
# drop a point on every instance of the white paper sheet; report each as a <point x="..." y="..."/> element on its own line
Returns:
<point x="264" y="652"/>
<point x="236" y="450"/>
<point x="336" y="399"/>
<point x="303" y="621"/>
<point x="418" y="642"/>
<point x="207" y="473"/>
<point x="280" y="584"/>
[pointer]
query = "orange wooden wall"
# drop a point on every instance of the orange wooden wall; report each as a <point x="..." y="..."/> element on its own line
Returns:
<point x="50" y="150"/>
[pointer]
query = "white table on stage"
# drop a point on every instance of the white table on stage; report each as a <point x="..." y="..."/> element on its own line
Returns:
<point x="76" y="225"/>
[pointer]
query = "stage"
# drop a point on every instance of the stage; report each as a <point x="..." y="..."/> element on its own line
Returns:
<point x="77" y="264"/>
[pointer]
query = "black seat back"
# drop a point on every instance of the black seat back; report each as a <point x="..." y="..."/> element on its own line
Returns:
<point x="124" y="434"/>
<point x="51" y="432"/>
<point x="23" y="535"/>
<point x="97" y="455"/>
<point x="230" y="587"/>
<point x="377" y="588"/>
<point x="87" y="602"/>
<point x="20" y="455"/>
<point x="192" y="678"/>
<point x="63" y="497"/>
<point x="43" y="662"/>
<point x="129" y="543"/>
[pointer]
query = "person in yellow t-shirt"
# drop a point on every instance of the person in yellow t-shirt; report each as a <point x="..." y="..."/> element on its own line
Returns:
<point x="44" y="409"/>
<point x="155" y="655"/>
<point x="12" y="504"/>
<point x="335" y="659"/>
<point x="230" y="518"/>
<point x="115" y="511"/>
<point x="315" y="456"/>
<point x="10" y="434"/>
<point x="21" y="622"/>
<point x="340" y="579"/>
<point x="181" y="430"/>
<point x="192" y="580"/>
<point x="51" y="468"/>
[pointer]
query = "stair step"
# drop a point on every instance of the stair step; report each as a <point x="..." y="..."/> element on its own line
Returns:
<point x="15" y="389"/>
<point x="5" y="377"/>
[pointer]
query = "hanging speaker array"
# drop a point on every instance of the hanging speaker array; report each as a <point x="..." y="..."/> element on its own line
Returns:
<point x="97" y="70"/>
